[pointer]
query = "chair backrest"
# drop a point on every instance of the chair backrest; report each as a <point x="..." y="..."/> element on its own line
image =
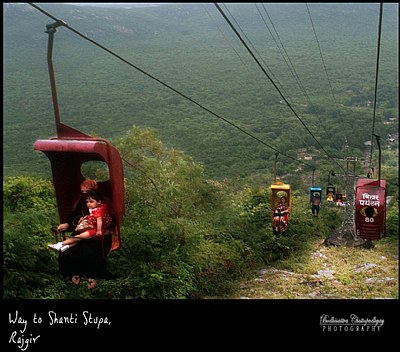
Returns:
<point x="278" y="190"/>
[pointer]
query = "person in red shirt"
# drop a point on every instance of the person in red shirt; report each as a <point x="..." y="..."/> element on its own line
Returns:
<point x="280" y="217"/>
<point x="99" y="219"/>
<point x="88" y="260"/>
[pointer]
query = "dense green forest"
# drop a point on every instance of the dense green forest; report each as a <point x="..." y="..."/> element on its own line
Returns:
<point x="191" y="48"/>
<point x="197" y="196"/>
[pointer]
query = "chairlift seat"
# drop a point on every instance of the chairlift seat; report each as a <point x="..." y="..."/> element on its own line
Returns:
<point x="66" y="155"/>
<point x="370" y="208"/>
<point x="313" y="191"/>
<point x="278" y="188"/>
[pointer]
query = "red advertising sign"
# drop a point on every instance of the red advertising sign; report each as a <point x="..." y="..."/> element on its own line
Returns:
<point x="370" y="208"/>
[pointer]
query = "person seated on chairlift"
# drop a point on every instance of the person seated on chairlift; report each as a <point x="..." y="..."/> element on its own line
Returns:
<point x="99" y="219"/>
<point x="281" y="212"/>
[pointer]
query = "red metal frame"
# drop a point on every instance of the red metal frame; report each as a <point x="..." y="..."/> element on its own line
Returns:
<point x="70" y="149"/>
<point x="370" y="209"/>
<point x="67" y="153"/>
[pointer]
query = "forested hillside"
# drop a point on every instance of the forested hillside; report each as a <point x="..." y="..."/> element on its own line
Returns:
<point x="191" y="48"/>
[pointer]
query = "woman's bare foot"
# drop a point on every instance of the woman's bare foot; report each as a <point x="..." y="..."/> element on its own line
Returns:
<point x="92" y="283"/>
<point x="76" y="280"/>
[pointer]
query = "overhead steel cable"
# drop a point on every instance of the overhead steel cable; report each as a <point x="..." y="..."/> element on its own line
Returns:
<point x="288" y="61"/>
<point x="326" y="73"/>
<point x="290" y="66"/>
<point x="232" y="47"/>
<point x="273" y="83"/>
<point x="376" y="82"/>
<point x="249" y="41"/>
<point x="286" y="58"/>
<point x="165" y="84"/>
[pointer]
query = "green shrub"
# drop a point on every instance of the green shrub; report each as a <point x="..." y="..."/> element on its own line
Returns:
<point x="22" y="193"/>
<point x="28" y="265"/>
<point x="392" y="220"/>
<point x="218" y="265"/>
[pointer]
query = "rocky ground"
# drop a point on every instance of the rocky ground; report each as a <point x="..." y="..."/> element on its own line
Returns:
<point x="330" y="272"/>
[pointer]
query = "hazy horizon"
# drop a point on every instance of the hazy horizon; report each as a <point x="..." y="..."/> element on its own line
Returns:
<point x="117" y="4"/>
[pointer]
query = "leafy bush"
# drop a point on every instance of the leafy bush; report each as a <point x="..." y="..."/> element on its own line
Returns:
<point x="392" y="220"/>
<point x="174" y="217"/>
<point x="28" y="266"/>
<point x="22" y="193"/>
<point x="218" y="265"/>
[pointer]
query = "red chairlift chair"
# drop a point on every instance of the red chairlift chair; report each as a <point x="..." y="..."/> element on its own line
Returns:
<point x="67" y="154"/>
<point x="72" y="148"/>
<point x="370" y="205"/>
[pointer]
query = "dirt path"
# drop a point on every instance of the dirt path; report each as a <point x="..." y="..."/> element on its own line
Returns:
<point x="331" y="273"/>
